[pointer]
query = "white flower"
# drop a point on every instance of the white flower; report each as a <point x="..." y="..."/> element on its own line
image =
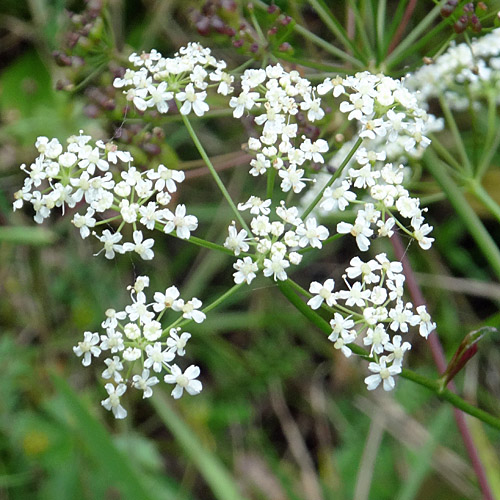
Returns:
<point x="177" y="344"/>
<point x="112" y="341"/>
<point x="132" y="331"/>
<point x="246" y="100"/>
<point x="322" y="293"/>
<point x="313" y="150"/>
<point x="112" y="318"/>
<point x="401" y="315"/>
<point x="165" y="300"/>
<point x="260" y="225"/>
<point x="392" y="269"/>
<point x="159" y="97"/>
<point x="182" y="223"/>
<point x="420" y="234"/>
<point x="131" y="354"/>
<point x="365" y="269"/>
<point x="186" y="380"/>
<point x="364" y="176"/>
<point x="144" y="383"/>
<point x="156" y="357"/>
<point x="397" y="350"/>
<point x="276" y="266"/>
<point x="110" y="241"/>
<point x="337" y="196"/>
<point x="112" y="403"/>
<point x="152" y="330"/>
<point x="313" y="106"/>
<point x="311" y="233"/>
<point x="193" y="100"/>
<point x="67" y="160"/>
<point x="259" y="165"/>
<point x="382" y="373"/>
<point x="342" y="342"/>
<point x="376" y="337"/>
<point x="359" y="106"/>
<point x="256" y="206"/>
<point x="356" y="295"/>
<point x="245" y="270"/>
<point x="166" y="178"/>
<point x="295" y="258"/>
<point x="88" y="347"/>
<point x="292" y="179"/>
<point x="189" y="309"/>
<point x="83" y="222"/>
<point x="360" y="230"/>
<point x="114" y="366"/>
<point x="90" y="159"/>
<point x="236" y="241"/>
<point x="150" y="215"/>
<point x="426" y="326"/>
<point x="340" y="326"/>
<point x="143" y="248"/>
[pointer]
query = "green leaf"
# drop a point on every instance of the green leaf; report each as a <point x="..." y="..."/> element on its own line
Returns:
<point x="215" y="474"/>
<point x="27" y="235"/>
<point x="101" y="447"/>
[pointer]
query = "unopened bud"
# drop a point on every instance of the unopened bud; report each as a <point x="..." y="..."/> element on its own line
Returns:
<point x="285" y="20"/>
<point x="469" y="7"/>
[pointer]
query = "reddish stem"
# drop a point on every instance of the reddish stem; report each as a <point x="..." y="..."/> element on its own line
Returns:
<point x="401" y="28"/>
<point x="440" y="361"/>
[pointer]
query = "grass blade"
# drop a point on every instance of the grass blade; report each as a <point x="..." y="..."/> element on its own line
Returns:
<point x="217" y="477"/>
<point x="101" y="447"/>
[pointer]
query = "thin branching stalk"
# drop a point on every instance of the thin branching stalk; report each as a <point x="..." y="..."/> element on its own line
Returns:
<point x="288" y="289"/>
<point x="469" y="218"/>
<point x="333" y="178"/>
<point x="448" y="394"/>
<point x="214" y="173"/>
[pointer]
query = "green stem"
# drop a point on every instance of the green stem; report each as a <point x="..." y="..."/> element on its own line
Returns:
<point x="452" y="398"/>
<point x="456" y="135"/>
<point x="361" y="26"/>
<point x="271" y="176"/>
<point x="444" y="153"/>
<point x="382" y="4"/>
<point x="200" y="242"/>
<point x="328" y="240"/>
<point x="482" y="195"/>
<point x="257" y="27"/>
<point x="213" y="304"/>
<point x="490" y="136"/>
<point x="326" y="46"/>
<point x="410" y="39"/>
<point x="287" y="289"/>
<point x="214" y="173"/>
<point x="469" y="218"/>
<point x="334" y="26"/>
<point x="223" y="297"/>
<point x="208" y="244"/>
<point x="333" y="178"/>
<point x="485" y="160"/>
